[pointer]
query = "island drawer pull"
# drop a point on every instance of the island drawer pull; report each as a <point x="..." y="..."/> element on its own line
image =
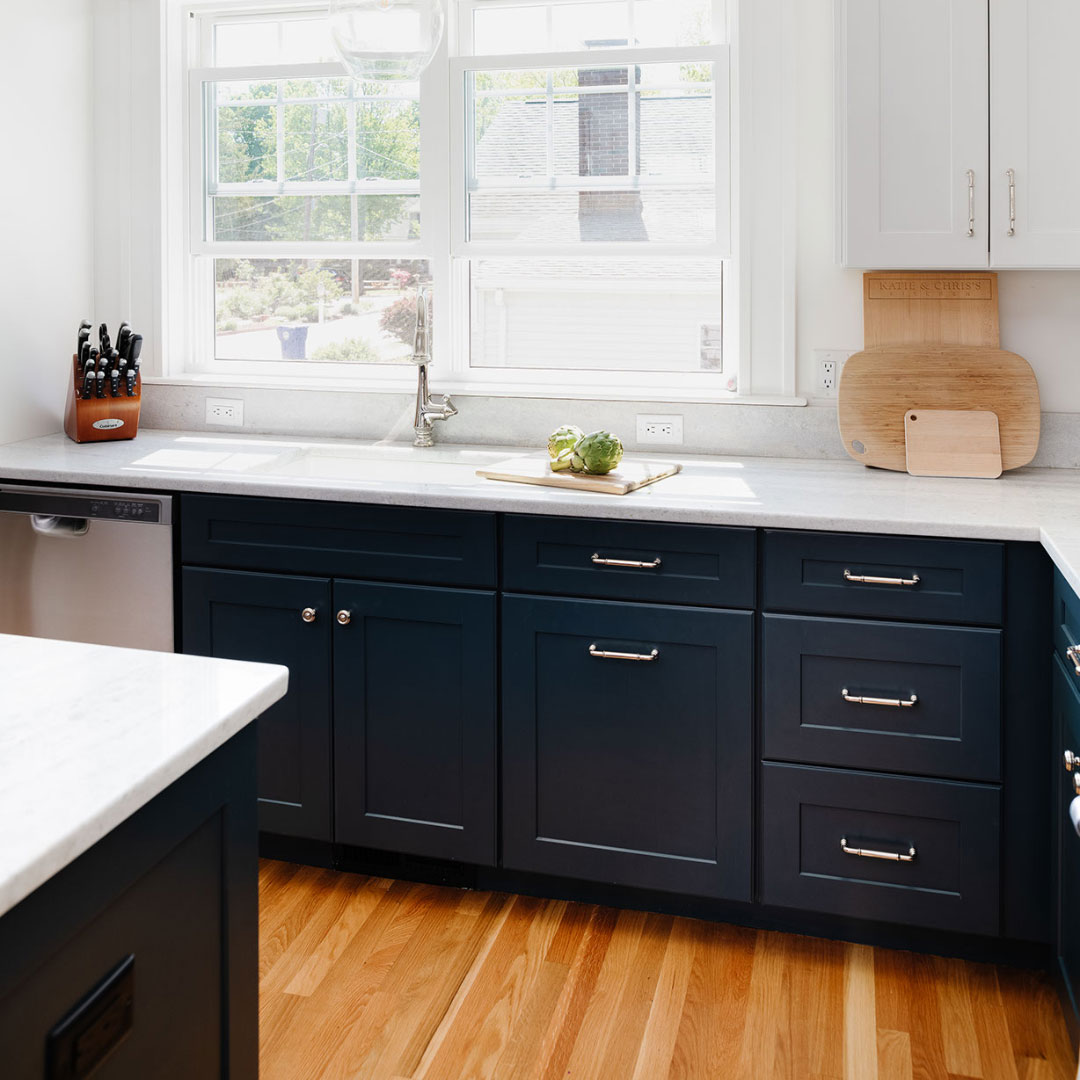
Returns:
<point x="1073" y="653"/>
<point x="870" y="853"/>
<point x="892" y="703"/>
<point x="864" y="579"/>
<point x="632" y="564"/>
<point x="602" y="654"/>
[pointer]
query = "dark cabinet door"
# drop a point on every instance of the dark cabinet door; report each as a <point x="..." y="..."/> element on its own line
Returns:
<point x="278" y="620"/>
<point x="627" y="734"/>
<point x="1067" y="720"/>
<point x="415" y="720"/>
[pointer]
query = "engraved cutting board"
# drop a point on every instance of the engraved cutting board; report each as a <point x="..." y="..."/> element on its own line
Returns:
<point x="909" y="308"/>
<point x="629" y="476"/>
<point x="878" y="387"/>
<point x="953" y="442"/>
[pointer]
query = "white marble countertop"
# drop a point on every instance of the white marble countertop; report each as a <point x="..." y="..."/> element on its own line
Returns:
<point x="1029" y="504"/>
<point x="80" y="753"/>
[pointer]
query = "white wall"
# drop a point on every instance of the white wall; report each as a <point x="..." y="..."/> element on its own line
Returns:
<point x="46" y="223"/>
<point x="1040" y="311"/>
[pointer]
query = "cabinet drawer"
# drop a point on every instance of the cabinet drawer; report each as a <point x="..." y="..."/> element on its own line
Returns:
<point x="951" y="882"/>
<point x="934" y="696"/>
<point x="943" y="580"/>
<point x="632" y="766"/>
<point x="374" y="543"/>
<point x="621" y="560"/>
<point x="1066" y="623"/>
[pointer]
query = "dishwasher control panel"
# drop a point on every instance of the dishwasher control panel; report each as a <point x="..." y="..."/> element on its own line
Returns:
<point x="126" y="510"/>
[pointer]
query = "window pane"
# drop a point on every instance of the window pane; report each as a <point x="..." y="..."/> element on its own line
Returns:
<point x="329" y="310"/>
<point x="597" y="24"/>
<point x="272" y="41"/>
<point x="343" y="158"/>
<point x="593" y="154"/>
<point x="597" y="314"/>
<point x="268" y="218"/>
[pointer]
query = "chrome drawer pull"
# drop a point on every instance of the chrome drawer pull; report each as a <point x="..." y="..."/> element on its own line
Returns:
<point x="971" y="202"/>
<point x="893" y="703"/>
<point x="600" y="654"/>
<point x="869" y="853"/>
<point x="863" y="579"/>
<point x="1073" y="653"/>
<point x="632" y="564"/>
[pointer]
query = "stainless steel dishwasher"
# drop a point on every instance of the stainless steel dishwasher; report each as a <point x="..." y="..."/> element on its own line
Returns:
<point x="93" y="566"/>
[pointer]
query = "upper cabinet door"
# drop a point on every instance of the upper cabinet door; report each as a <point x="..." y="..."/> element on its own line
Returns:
<point x="1034" y="90"/>
<point x="915" y="124"/>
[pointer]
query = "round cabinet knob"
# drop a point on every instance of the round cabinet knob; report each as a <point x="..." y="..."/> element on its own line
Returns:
<point x="1071" y="760"/>
<point x="308" y="614"/>
<point x="344" y="617"/>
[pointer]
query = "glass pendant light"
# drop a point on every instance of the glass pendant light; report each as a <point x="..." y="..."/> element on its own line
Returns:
<point x="387" y="39"/>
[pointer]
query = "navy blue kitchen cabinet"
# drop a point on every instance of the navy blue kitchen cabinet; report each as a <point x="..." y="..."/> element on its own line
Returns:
<point x="415" y="720"/>
<point x="627" y="735"/>
<point x="1067" y="725"/>
<point x="276" y="619"/>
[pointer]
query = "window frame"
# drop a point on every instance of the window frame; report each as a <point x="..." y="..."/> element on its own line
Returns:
<point x="768" y="379"/>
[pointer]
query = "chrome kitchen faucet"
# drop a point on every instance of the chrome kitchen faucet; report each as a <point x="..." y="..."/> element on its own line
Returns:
<point x="428" y="407"/>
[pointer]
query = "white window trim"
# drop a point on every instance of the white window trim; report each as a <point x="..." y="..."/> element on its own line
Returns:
<point x="762" y="233"/>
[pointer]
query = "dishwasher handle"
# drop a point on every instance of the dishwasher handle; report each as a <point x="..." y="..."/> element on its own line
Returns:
<point x="65" y="528"/>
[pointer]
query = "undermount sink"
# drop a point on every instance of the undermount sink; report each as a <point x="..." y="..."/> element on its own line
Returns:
<point x="387" y="462"/>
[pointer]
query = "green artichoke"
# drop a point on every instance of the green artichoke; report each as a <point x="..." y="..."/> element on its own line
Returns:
<point x="564" y="439"/>
<point x="597" y="453"/>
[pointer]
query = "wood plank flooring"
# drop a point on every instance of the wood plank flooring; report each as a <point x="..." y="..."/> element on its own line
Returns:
<point x="368" y="979"/>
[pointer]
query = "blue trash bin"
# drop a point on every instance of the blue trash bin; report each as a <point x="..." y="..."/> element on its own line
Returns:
<point x="293" y="342"/>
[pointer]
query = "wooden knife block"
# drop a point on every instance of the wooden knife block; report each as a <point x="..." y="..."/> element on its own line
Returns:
<point x="101" y="419"/>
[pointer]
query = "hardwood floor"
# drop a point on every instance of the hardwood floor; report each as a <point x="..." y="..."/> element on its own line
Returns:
<point x="368" y="979"/>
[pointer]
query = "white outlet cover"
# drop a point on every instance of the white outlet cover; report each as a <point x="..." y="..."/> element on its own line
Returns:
<point x="225" y="412"/>
<point x="645" y="436"/>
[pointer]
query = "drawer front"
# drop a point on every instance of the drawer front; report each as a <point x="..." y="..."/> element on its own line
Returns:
<point x="1067" y="738"/>
<point x="930" y="696"/>
<point x="373" y="543"/>
<point x="929" y="580"/>
<point x="1066" y="624"/>
<point x="951" y="882"/>
<point x="621" y="560"/>
<point x="626" y="740"/>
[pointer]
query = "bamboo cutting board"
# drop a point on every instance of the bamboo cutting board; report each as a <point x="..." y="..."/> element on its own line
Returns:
<point x="950" y="442"/>
<point x="629" y="476"/>
<point x="878" y="387"/>
<point x="930" y="309"/>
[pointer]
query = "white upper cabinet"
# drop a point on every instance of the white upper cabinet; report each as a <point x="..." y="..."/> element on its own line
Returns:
<point x="1035" y="120"/>
<point x="915" y="143"/>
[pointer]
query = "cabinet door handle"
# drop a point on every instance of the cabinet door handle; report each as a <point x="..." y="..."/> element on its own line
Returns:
<point x="870" y="853"/>
<point x="602" y="654"/>
<point x="633" y="564"/>
<point x="1073" y="653"/>
<point x="971" y="202"/>
<point x="309" y="614"/>
<point x="344" y="618"/>
<point x="893" y="703"/>
<point x="1011" y="174"/>
<point x="864" y="579"/>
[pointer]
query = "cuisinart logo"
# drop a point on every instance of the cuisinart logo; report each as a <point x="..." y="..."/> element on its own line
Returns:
<point x="108" y="425"/>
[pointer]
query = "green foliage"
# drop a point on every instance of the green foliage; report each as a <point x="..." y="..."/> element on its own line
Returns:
<point x="353" y="351"/>
<point x="399" y="319"/>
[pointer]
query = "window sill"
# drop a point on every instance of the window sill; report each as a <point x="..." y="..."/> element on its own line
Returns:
<point x="473" y="388"/>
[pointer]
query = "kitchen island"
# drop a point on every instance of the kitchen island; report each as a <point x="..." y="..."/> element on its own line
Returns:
<point x="128" y="867"/>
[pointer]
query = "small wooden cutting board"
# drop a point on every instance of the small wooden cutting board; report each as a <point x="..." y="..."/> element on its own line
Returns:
<point x="953" y="442"/>
<point x="629" y="476"/>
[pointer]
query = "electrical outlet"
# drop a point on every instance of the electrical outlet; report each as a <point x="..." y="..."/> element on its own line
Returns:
<point x="830" y="364"/>
<point x="657" y="430"/>
<point x="225" y="412"/>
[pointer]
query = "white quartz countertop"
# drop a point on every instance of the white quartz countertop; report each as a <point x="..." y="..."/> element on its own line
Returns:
<point x="1029" y="504"/>
<point x="89" y="734"/>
